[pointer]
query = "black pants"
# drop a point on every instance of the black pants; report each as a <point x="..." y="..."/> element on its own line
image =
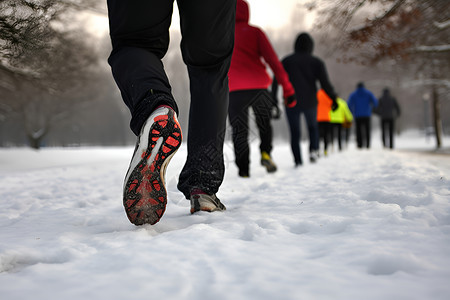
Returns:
<point x="363" y="132"/>
<point x="387" y="130"/>
<point x="240" y="102"/>
<point x="294" y="122"/>
<point x="336" y="131"/>
<point x="325" y="131"/>
<point x="139" y="32"/>
<point x="346" y="133"/>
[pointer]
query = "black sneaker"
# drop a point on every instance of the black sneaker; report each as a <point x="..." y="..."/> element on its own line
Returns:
<point x="244" y="174"/>
<point x="144" y="192"/>
<point x="204" y="202"/>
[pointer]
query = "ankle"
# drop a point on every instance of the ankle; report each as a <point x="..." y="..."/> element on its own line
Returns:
<point x="197" y="191"/>
<point x="164" y="106"/>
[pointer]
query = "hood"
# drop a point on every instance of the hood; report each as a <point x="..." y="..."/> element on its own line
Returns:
<point x="304" y="43"/>
<point x="242" y="11"/>
<point x="386" y="92"/>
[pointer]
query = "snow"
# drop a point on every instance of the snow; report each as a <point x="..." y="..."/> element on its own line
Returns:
<point x="359" y="224"/>
<point x="442" y="25"/>
<point x="437" y="48"/>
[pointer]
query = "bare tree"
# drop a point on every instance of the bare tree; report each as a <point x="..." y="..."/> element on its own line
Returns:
<point x="411" y="34"/>
<point x="43" y="64"/>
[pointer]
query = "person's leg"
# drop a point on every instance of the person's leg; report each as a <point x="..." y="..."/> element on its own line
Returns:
<point x="262" y="105"/>
<point x="321" y="127"/>
<point x="293" y="118"/>
<point x="139" y="33"/>
<point x="313" y="128"/>
<point x="363" y="133"/>
<point x="313" y="132"/>
<point x="339" y="135"/>
<point x="332" y="135"/>
<point x="347" y="133"/>
<point x="207" y="29"/>
<point x="391" y="134"/>
<point x="368" y="132"/>
<point x="238" y="116"/>
<point x="359" y="126"/>
<point x="326" y="136"/>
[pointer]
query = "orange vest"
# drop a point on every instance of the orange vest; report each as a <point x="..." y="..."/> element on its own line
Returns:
<point x="323" y="106"/>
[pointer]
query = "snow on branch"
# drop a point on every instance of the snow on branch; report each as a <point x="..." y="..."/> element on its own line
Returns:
<point x="442" y="25"/>
<point x="424" y="82"/>
<point x="18" y="71"/>
<point x="391" y="11"/>
<point x="439" y="48"/>
<point x="85" y="6"/>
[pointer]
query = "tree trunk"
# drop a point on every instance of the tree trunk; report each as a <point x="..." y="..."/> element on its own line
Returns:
<point x="437" y="117"/>
<point x="35" y="143"/>
<point x="35" y="138"/>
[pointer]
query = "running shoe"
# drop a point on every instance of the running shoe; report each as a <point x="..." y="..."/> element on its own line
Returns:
<point x="144" y="192"/>
<point x="267" y="162"/>
<point x="201" y="201"/>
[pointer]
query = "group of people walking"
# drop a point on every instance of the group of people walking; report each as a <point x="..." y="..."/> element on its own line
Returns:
<point x="363" y="103"/>
<point x="326" y="114"/>
<point x="226" y="60"/>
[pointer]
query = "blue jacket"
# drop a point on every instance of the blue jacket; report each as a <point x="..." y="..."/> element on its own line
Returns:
<point x="361" y="102"/>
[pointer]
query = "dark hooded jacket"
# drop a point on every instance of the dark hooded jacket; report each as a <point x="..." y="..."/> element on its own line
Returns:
<point x="252" y="50"/>
<point x="388" y="107"/>
<point x="304" y="71"/>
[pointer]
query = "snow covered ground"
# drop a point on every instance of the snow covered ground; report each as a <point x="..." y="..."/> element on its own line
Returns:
<point x="361" y="224"/>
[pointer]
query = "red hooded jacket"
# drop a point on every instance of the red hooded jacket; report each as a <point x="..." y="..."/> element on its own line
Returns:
<point x="248" y="70"/>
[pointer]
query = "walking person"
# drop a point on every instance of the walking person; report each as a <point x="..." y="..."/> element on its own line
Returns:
<point x="388" y="110"/>
<point x="361" y="103"/>
<point x="139" y="31"/>
<point x="324" y="104"/>
<point x="305" y="70"/>
<point x="340" y="119"/>
<point x="249" y="80"/>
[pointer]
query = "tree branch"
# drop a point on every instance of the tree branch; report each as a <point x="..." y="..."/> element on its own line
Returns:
<point x="375" y="22"/>
<point x="442" y="25"/>
<point x="438" y="48"/>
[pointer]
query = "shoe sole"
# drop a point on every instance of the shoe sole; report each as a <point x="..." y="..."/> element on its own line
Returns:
<point x="270" y="167"/>
<point x="145" y="195"/>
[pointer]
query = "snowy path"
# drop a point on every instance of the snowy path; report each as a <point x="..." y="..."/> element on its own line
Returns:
<point x="357" y="225"/>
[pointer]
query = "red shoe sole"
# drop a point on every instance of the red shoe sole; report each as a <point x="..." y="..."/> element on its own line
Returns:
<point x="145" y="195"/>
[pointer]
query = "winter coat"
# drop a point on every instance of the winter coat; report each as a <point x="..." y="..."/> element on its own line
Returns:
<point x="361" y="102"/>
<point x="388" y="107"/>
<point x="323" y="106"/>
<point x="342" y="114"/>
<point x="251" y="47"/>
<point x="304" y="71"/>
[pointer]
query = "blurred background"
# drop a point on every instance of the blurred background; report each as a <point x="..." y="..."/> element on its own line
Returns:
<point x="56" y="88"/>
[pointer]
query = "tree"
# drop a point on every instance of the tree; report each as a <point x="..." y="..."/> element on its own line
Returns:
<point x="410" y="34"/>
<point x="43" y="64"/>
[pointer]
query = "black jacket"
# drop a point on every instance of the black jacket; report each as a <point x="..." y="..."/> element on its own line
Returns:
<point x="304" y="71"/>
<point x="388" y="107"/>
